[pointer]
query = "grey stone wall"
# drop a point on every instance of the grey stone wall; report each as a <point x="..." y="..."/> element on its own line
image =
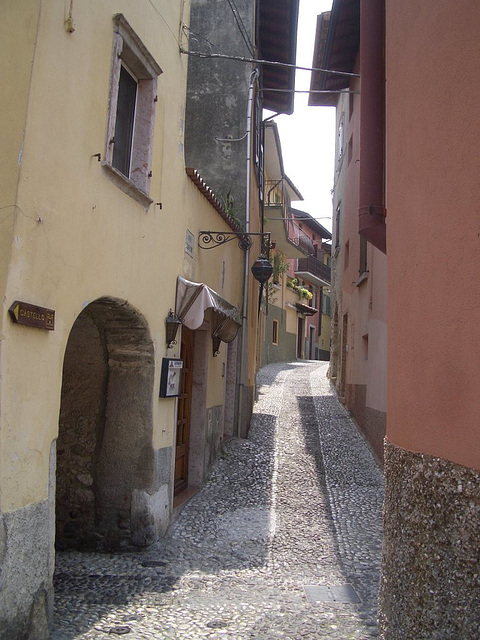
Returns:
<point x="26" y="572"/>
<point x="82" y="413"/>
<point x="213" y="437"/>
<point x="217" y="93"/>
<point x="247" y="406"/>
<point x="150" y="510"/>
<point x="110" y="491"/>
<point x="322" y="354"/>
<point x="430" y="588"/>
<point x="229" y="413"/>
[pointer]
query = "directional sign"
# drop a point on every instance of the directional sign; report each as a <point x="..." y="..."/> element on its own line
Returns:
<point x="32" y="316"/>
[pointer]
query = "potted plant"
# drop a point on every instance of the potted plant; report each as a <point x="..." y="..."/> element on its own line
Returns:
<point x="303" y="292"/>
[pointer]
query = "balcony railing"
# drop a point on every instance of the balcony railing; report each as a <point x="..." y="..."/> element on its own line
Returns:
<point x="274" y="193"/>
<point x="313" y="269"/>
<point x="286" y="233"/>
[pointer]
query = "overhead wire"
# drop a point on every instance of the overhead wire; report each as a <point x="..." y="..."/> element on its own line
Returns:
<point x="241" y="26"/>
<point x="267" y="62"/>
<point x="197" y="36"/>
<point x="308" y="90"/>
<point x="164" y="21"/>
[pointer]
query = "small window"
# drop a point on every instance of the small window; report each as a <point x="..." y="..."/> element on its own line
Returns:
<point x="365" y="346"/>
<point x="131" y="114"/>
<point x="190" y="243"/>
<point x="125" y="119"/>
<point x="363" y="264"/>
<point x="341" y="139"/>
<point x="351" y="104"/>
<point x="275" y="332"/>
<point x="337" y="226"/>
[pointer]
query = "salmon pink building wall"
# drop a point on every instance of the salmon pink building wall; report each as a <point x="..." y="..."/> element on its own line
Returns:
<point x="430" y="582"/>
<point x="433" y="202"/>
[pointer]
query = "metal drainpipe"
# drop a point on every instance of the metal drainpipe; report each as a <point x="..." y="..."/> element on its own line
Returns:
<point x="371" y="212"/>
<point x="246" y="270"/>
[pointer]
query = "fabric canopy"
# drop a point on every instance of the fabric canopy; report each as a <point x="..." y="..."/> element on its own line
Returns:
<point x="194" y="298"/>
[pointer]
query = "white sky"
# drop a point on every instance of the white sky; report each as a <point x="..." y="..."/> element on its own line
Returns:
<point x="308" y="135"/>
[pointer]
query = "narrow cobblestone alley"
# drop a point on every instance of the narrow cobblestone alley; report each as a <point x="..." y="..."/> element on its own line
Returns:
<point x="283" y="542"/>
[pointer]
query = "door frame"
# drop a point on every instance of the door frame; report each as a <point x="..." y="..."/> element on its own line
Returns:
<point x="184" y="413"/>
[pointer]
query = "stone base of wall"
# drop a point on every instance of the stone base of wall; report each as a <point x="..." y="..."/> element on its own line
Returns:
<point x="324" y="355"/>
<point x="213" y="438"/>
<point x="150" y="511"/>
<point x="26" y="572"/>
<point x="248" y="396"/>
<point x="430" y="588"/>
<point x="371" y="422"/>
<point x="286" y="348"/>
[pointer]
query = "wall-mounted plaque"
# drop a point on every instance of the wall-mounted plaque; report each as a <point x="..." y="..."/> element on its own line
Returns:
<point x="171" y="378"/>
<point x="32" y="316"/>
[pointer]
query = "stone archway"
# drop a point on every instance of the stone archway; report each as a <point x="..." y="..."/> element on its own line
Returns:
<point x="105" y="456"/>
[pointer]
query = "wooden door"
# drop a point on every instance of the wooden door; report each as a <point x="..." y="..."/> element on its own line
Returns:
<point x="183" y="413"/>
<point x="312" y="343"/>
<point x="300" y="332"/>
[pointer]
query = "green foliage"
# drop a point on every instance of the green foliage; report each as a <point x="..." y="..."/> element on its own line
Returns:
<point x="302" y="292"/>
<point x="279" y="267"/>
<point x="228" y="204"/>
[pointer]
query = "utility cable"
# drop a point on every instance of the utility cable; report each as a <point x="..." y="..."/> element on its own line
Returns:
<point x="188" y="32"/>
<point x="164" y="21"/>
<point x="307" y="90"/>
<point x="272" y="63"/>
<point x="241" y="26"/>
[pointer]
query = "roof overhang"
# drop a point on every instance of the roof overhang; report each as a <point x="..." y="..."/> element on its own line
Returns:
<point x="277" y="41"/>
<point x="336" y="47"/>
<point x="314" y="225"/>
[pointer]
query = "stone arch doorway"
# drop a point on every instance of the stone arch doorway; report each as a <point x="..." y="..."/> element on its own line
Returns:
<point x="105" y="457"/>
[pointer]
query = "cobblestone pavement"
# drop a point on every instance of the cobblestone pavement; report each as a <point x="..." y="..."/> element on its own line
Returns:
<point x="283" y="542"/>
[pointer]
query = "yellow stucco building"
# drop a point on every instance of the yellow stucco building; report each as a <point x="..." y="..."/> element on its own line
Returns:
<point x="99" y="218"/>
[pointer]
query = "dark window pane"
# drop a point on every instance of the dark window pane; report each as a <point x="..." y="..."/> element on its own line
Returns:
<point x="363" y="267"/>
<point x="127" y="93"/>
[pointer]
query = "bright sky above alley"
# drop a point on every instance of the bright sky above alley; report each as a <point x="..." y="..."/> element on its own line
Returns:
<point x="308" y="135"/>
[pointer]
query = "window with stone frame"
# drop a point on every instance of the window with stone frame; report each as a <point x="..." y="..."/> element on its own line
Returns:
<point x="131" y="113"/>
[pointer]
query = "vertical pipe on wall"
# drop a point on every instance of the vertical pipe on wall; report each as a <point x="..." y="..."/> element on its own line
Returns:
<point x="246" y="272"/>
<point x="371" y="211"/>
